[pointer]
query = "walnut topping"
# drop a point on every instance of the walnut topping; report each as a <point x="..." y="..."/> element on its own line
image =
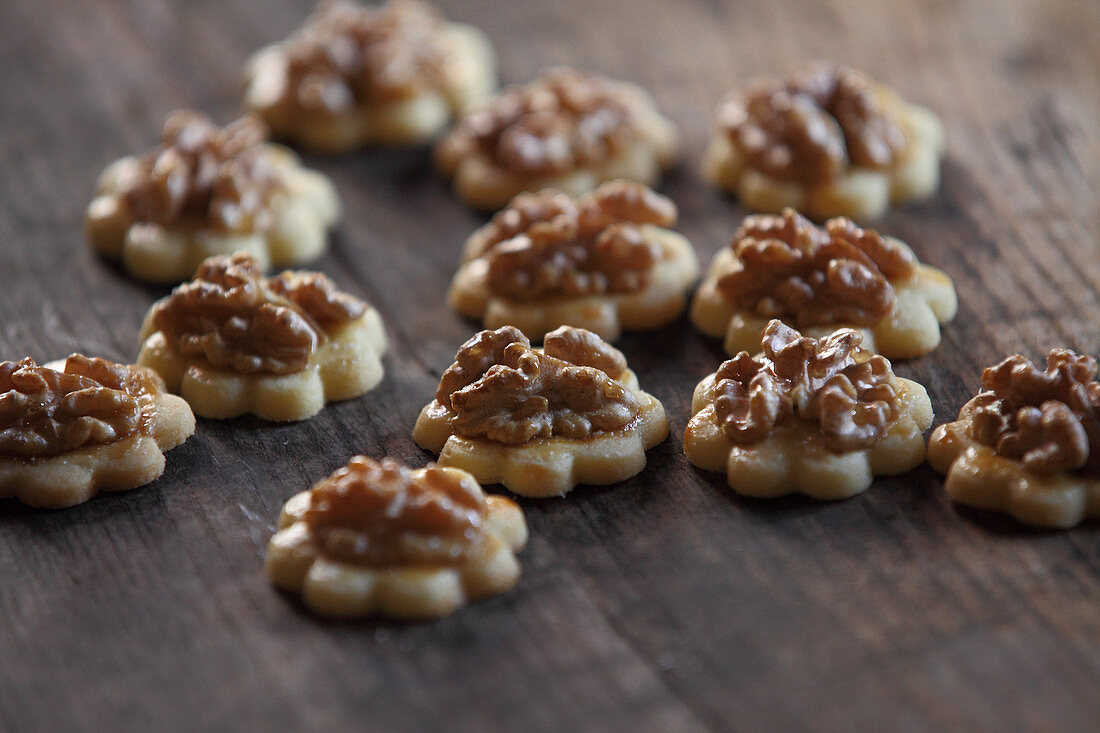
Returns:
<point x="584" y="348"/>
<point x="625" y="201"/>
<point x="348" y="56"/>
<point x="813" y="126"/>
<point x="545" y="244"/>
<point x="563" y="120"/>
<point x="1049" y="420"/>
<point x="530" y="396"/>
<point x="825" y="382"/>
<point x="503" y="390"/>
<point x="475" y="357"/>
<point x="234" y="317"/>
<point x="381" y="514"/>
<point x="749" y="400"/>
<point x="45" y="412"/>
<point x="811" y="276"/>
<point x="203" y="175"/>
<point x="318" y="297"/>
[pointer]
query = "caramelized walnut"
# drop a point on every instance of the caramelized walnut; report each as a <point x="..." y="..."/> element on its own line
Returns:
<point x="813" y="126"/>
<point x="45" y="412"/>
<point x="811" y="276"/>
<point x="204" y="176"/>
<point x="234" y="317"/>
<point x="475" y="357"/>
<point x="526" y="210"/>
<point x="584" y="348"/>
<point x="501" y="389"/>
<point x="625" y="201"/>
<point x="749" y="400"/>
<point x="382" y="514"/>
<point x="317" y="295"/>
<point x="855" y="408"/>
<point x="821" y="381"/>
<point x="563" y="120"/>
<point x="348" y="56"/>
<point x="1049" y="420"/>
<point x="547" y="244"/>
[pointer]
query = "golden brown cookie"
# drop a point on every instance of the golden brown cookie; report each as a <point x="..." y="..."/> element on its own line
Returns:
<point x="828" y="141"/>
<point x="379" y="538"/>
<point x="355" y="75"/>
<point x="568" y="130"/>
<point x="541" y="421"/>
<point x="1029" y="443"/>
<point x="604" y="261"/>
<point x="209" y="190"/>
<point x="819" y="279"/>
<point x="818" y="417"/>
<point x="71" y="429"/>
<point x="233" y="342"/>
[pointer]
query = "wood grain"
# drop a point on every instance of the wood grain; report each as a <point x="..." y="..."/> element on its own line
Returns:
<point x="663" y="603"/>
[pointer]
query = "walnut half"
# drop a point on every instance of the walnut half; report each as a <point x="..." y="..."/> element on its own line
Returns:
<point x="349" y="56"/>
<point x="562" y="120"/>
<point x="205" y="176"/>
<point x="1047" y="419"/>
<point x="45" y="412"/>
<point x="501" y="389"/>
<point x="382" y="514"/>
<point x="584" y="348"/>
<point x="813" y="126"/>
<point x="788" y="268"/>
<point x="233" y="317"/>
<point x="546" y="244"/>
<point x="828" y="382"/>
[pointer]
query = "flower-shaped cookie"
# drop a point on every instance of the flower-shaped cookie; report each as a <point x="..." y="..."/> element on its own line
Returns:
<point x="378" y="538"/>
<point x="828" y="141"/>
<point x="209" y="190"/>
<point x="1029" y="443"/>
<point x="70" y="429"/>
<point x="355" y="75"/>
<point x="820" y="279"/>
<point x="233" y="342"/>
<point x="541" y="421"/>
<point x="817" y="417"/>
<point x="567" y="130"/>
<point x="604" y="261"/>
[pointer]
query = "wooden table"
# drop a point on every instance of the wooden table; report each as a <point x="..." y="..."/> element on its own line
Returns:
<point x="663" y="603"/>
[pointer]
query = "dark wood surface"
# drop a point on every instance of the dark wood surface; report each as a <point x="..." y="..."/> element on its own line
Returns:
<point x="663" y="603"/>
